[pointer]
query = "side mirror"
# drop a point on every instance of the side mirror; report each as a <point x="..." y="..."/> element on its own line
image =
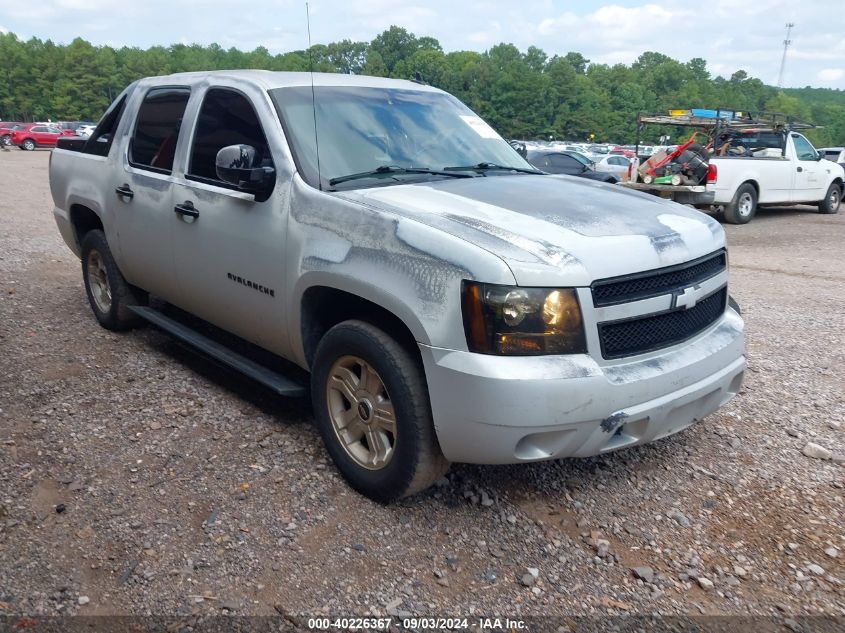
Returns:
<point x="236" y="164"/>
<point x="819" y="155"/>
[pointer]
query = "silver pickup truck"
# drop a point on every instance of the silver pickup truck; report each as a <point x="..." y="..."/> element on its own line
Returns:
<point x="450" y="302"/>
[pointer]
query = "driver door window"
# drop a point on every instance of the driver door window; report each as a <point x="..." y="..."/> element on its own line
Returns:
<point x="563" y="164"/>
<point x="225" y="118"/>
<point x="803" y="149"/>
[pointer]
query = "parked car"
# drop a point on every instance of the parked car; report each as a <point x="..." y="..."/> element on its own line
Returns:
<point x="6" y="129"/>
<point x="615" y="164"/>
<point x="70" y="125"/>
<point x="34" y="135"/>
<point x="86" y="130"/>
<point x="568" y="163"/>
<point x="833" y="154"/>
<point x="627" y="152"/>
<point x="450" y="302"/>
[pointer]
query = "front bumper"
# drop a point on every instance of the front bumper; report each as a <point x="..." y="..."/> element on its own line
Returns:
<point x="500" y="410"/>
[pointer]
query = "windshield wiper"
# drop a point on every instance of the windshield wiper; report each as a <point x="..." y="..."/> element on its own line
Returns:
<point x="389" y="170"/>
<point x="493" y="167"/>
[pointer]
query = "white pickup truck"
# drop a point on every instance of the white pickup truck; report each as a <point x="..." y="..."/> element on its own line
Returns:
<point x="450" y="302"/>
<point x="778" y="168"/>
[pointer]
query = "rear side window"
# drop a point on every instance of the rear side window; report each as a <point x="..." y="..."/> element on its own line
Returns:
<point x="102" y="137"/>
<point x="225" y="118"/>
<point x="157" y="130"/>
<point x="758" y="140"/>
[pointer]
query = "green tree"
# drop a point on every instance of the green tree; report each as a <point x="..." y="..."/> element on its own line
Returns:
<point x="396" y="44"/>
<point x="523" y="94"/>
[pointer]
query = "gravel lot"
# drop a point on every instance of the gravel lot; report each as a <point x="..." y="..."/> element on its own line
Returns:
<point x="136" y="478"/>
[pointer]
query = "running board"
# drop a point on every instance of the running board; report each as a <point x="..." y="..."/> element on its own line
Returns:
<point x="267" y="377"/>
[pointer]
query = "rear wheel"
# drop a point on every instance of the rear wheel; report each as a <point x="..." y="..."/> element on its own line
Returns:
<point x="373" y="412"/>
<point x="832" y="200"/>
<point x="28" y="145"/>
<point x="108" y="292"/>
<point x="6" y="139"/>
<point x="744" y="205"/>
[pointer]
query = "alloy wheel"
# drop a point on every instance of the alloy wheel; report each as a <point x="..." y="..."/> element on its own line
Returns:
<point x="361" y="413"/>
<point x="98" y="282"/>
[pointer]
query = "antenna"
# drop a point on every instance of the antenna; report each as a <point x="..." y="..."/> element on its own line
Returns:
<point x="313" y="98"/>
<point x="786" y="44"/>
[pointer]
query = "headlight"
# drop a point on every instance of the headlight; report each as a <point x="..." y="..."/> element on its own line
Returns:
<point x="513" y="321"/>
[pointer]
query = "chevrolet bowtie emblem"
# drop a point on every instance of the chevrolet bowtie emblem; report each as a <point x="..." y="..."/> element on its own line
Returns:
<point x="686" y="298"/>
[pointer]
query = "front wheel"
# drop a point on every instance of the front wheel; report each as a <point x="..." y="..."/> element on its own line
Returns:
<point x="373" y="413"/>
<point x="108" y="292"/>
<point x="832" y="200"/>
<point x="28" y="145"/>
<point x="743" y="206"/>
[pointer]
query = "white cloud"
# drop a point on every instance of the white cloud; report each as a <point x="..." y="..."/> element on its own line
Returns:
<point x="487" y="37"/>
<point x="830" y="75"/>
<point x="616" y="24"/>
<point x="3" y="29"/>
<point x="84" y="5"/>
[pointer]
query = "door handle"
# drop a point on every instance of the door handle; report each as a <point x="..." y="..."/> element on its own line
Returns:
<point x="124" y="191"/>
<point x="800" y="169"/>
<point x="187" y="208"/>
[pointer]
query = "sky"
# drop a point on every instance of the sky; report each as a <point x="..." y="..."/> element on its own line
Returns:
<point x="730" y="34"/>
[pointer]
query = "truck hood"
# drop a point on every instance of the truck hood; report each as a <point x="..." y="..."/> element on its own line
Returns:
<point x="554" y="230"/>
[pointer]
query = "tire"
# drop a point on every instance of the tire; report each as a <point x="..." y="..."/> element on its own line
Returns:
<point x="108" y="292"/>
<point x="28" y="145"/>
<point x="6" y="140"/>
<point x="832" y="200"/>
<point x="744" y="205"/>
<point x="358" y="371"/>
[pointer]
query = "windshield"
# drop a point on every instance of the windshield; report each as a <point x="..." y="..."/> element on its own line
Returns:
<point x="364" y="129"/>
<point x="580" y="158"/>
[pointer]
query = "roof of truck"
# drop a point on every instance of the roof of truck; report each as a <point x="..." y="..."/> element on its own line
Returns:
<point x="269" y="79"/>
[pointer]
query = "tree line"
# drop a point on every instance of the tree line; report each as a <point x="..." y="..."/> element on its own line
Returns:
<point x="526" y="95"/>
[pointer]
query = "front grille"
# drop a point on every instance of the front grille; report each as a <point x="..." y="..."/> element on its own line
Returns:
<point x="644" y="334"/>
<point x="654" y="283"/>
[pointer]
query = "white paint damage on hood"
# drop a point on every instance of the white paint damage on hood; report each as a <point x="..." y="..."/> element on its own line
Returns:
<point x="554" y="230"/>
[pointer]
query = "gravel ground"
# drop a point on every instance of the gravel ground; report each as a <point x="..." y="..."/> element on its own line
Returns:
<point x="135" y="478"/>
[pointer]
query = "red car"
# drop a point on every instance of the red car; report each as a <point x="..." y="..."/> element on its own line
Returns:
<point x="622" y="151"/>
<point x="6" y="129"/>
<point x="35" y="135"/>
